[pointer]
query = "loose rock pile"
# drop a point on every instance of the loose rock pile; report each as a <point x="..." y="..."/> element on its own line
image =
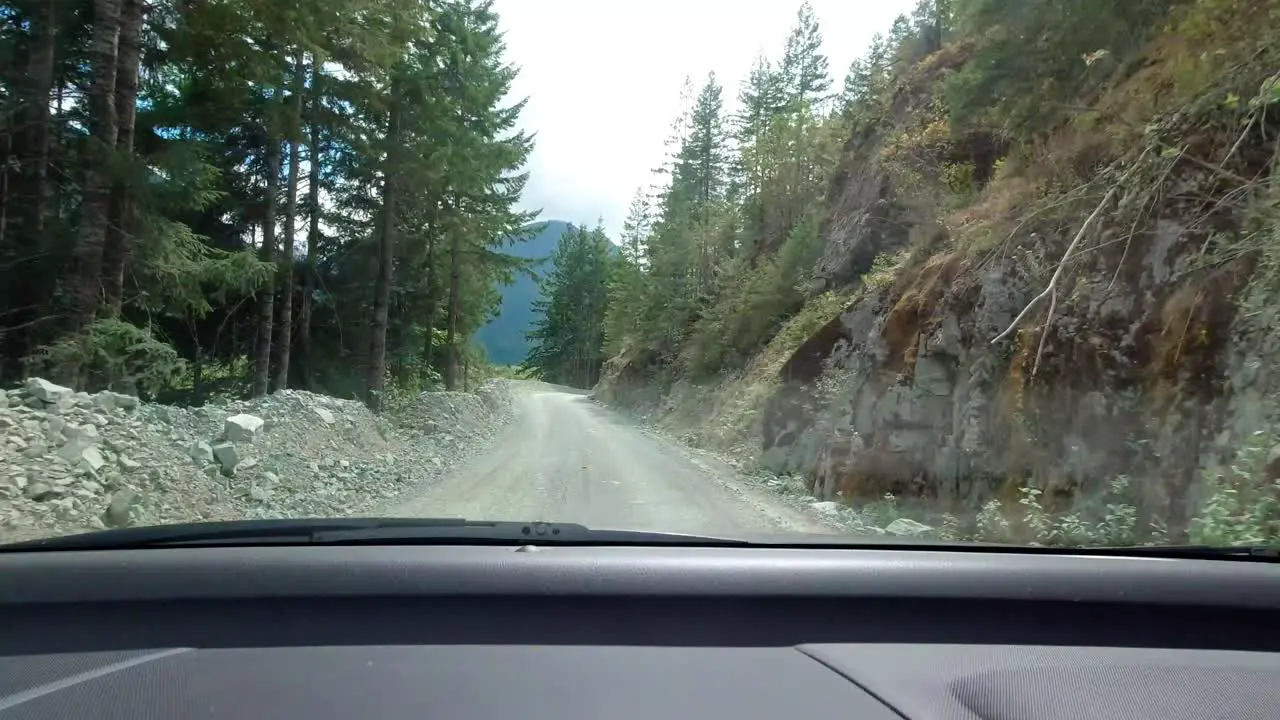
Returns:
<point x="72" y="462"/>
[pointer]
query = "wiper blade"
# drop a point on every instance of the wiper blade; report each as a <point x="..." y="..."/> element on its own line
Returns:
<point x="360" y="531"/>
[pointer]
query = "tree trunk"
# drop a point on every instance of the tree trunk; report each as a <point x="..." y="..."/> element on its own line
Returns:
<point x="428" y="341"/>
<point x="4" y="192"/>
<point x="40" y="76"/>
<point x="116" y="249"/>
<point x="455" y="305"/>
<point x="197" y="379"/>
<point x="96" y="203"/>
<point x="386" y="260"/>
<point x="313" y="231"/>
<point x="284" y="323"/>
<point x="266" y="294"/>
<point x="59" y="121"/>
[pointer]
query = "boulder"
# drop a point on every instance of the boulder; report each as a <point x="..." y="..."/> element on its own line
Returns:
<point x="46" y="391"/>
<point x="242" y="428"/>
<point x="119" y="510"/>
<point x="73" y="449"/>
<point x="826" y="507"/>
<point x="226" y="456"/>
<point x="906" y="527"/>
<point x="91" y="460"/>
<point x="87" y="433"/>
<point x="324" y="415"/>
<point x="108" y="400"/>
<point x="201" y="452"/>
<point x="40" y="492"/>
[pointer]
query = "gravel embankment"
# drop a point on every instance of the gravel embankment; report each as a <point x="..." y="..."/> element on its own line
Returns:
<point x="73" y="462"/>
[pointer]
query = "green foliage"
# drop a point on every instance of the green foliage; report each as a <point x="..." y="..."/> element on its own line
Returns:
<point x="720" y="262"/>
<point x="1242" y="501"/>
<point x="1240" y="506"/>
<point x="803" y="71"/>
<point x="751" y="310"/>
<point x="880" y="512"/>
<point x="180" y="274"/>
<point x="120" y="356"/>
<point x="1034" y="58"/>
<point x="568" y="338"/>
<point x="629" y="291"/>
<point x="817" y="311"/>
<point x="884" y="269"/>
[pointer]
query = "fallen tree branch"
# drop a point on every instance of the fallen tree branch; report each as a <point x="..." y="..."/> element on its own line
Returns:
<point x="1065" y="200"/>
<point x="1219" y="171"/>
<point x="1133" y="229"/>
<point x="1051" y="290"/>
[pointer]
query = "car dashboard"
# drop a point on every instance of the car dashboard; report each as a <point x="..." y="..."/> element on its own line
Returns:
<point x="578" y="632"/>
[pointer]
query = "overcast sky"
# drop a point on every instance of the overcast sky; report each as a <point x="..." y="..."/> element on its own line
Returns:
<point x="603" y="79"/>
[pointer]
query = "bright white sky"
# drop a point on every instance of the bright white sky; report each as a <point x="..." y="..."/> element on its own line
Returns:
<point x="603" y="79"/>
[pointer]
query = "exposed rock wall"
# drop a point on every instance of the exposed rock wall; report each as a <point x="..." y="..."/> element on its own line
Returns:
<point x="1149" y="369"/>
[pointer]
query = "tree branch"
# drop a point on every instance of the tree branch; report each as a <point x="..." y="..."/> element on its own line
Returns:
<point x="1051" y="290"/>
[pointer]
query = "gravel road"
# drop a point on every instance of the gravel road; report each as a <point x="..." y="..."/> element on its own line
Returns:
<point x="564" y="458"/>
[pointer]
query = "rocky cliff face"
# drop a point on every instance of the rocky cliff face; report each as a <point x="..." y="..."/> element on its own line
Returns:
<point x="912" y="397"/>
<point x="1154" y="366"/>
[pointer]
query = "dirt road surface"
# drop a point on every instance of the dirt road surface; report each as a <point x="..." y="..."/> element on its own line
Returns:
<point x="564" y="458"/>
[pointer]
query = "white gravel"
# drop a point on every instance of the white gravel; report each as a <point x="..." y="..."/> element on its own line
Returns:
<point x="72" y="462"/>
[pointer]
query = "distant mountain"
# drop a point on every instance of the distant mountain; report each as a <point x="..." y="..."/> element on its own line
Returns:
<point x="504" y="337"/>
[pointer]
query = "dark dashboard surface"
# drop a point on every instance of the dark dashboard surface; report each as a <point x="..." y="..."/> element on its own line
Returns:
<point x="590" y="632"/>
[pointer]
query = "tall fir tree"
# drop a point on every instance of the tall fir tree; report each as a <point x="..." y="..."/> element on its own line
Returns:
<point x="568" y="336"/>
<point x="279" y="196"/>
<point x="804" y="66"/>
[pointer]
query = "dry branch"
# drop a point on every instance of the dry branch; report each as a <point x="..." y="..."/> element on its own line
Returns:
<point x="1051" y="290"/>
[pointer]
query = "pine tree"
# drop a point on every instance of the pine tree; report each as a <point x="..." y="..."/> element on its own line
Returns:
<point x="568" y="337"/>
<point x="761" y="98"/>
<point x="628" y="290"/>
<point x="804" y="66"/>
<point x="175" y="253"/>
<point x="733" y="232"/>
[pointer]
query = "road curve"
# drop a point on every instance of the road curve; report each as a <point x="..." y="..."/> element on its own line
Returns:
<point x="564" y="458"/>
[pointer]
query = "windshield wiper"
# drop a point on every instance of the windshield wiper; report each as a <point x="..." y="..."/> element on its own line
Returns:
<point x="361" y="531"/>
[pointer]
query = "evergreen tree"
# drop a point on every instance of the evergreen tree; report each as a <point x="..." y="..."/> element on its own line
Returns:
<point x="628" y="290"/>
<point x="702" y="164"/>
<point x="313" y="195"/>
<point x="804" y="66"/>
<point x="733" y="232"/>
<point x="568" y="337"/>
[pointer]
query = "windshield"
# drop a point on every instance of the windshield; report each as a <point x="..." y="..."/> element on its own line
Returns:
<point x="947" y="270"/>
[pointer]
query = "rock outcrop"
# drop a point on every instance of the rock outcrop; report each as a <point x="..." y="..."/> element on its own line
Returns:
<point x="1152" y="361"/>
